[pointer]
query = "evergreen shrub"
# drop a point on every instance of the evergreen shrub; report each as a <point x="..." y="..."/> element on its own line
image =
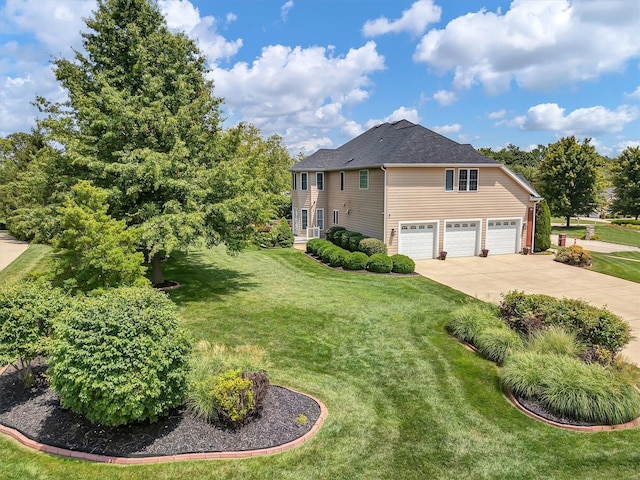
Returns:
<point x="356" y="261"/>
<point x="371" y="246"/>
<point x="402" y="264"/>
<point x="380" y="263"/>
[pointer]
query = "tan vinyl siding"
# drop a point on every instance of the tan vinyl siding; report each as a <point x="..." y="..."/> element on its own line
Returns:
<point x="311" y="199"/>
<point x="418" y="194"/>
<point x="359" y="210"/>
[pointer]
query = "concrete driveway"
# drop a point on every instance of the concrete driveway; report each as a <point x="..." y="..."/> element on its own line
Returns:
<point x="488" y="278"/>
<point x="10" y="249"/>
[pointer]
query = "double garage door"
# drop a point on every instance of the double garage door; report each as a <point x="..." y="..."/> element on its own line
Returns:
<point x="461" y="239"/>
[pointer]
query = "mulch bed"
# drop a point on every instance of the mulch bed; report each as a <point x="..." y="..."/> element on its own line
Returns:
<point x="37" y="414"/>
<point x="535" y="406"/>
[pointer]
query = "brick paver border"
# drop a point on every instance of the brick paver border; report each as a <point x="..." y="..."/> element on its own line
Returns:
<point x="27" y="442"/>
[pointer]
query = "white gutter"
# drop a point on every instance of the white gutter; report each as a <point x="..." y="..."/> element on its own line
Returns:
<point x="384" y="208"/>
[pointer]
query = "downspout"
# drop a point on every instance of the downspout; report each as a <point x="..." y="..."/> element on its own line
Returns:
<point x="384" y="207"/>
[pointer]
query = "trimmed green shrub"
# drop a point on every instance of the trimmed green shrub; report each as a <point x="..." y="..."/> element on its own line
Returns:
<point x="284" y="235"/>
<point x="573" y="255"/>
<point x="337" y="257"/>
<point x="27" y="310"/>
<point x="380" y="263"/>
<point x="356" y="261"/>
<point x="495" y="343"/>
<point x="341" y="238"/>
<point x="226" y="385"/>
<point x="354" y="241"/>
<point x="625" y="221"/>
<point x="313" y="244"/>
<point x="120" y="357"/>
<point x="402" y="264"/>
<point x="542" y="236"/>
<point x="469" y="321"/>
<point x="331" y="231"/>
<point x="570" y="388"/>
<point x="371" y="246"/>
<point x="326" y="254"/>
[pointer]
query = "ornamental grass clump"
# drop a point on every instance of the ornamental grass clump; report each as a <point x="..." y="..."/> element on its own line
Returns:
<point x="469" y="321"/>
<point x="495" y="343"/>
<point x="555" y="340"/>
<point x="570" y="388"/>
<point x="120" y="357"/>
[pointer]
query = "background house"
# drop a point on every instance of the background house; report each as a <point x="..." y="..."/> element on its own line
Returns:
<point x="416" y="190"/>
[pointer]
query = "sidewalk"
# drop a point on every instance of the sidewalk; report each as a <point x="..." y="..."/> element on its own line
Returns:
<point x="10" y="249"/>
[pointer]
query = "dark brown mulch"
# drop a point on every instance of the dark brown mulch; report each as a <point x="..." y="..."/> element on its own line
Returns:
<point x="37" y="414"/>
<point x="535" y="406"/>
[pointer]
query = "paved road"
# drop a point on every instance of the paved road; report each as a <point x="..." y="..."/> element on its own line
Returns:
<point x="488" y="278"/>
<point x="10" y="249"/>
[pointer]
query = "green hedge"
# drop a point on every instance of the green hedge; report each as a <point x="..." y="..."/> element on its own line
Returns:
<point x="380" y="263"/>
<point x="356" y="261"/>
<point x="402" y="264"/>
<point x="625" y="221"/>
<point x="371" y="246"/>
<point x="332" y="231"/>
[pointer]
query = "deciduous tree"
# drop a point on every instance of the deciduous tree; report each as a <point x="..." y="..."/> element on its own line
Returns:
<point x="626" y="182"/>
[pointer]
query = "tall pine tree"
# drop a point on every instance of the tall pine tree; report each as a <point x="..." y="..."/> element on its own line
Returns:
<point x="142" y="122"/>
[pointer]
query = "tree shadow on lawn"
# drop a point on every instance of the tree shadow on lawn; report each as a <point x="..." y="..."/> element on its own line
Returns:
<point x="202" y="279"/>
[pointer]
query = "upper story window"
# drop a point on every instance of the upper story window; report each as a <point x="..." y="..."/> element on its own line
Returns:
<point x="294" y="181"/>
<point x="448" y="180"/>
<point x="364" y="179"/>
<point x="320" y="180"/>
<point x="468" y="180"/>
<point x="342" y="181"/>
<point x="304" y="181"/>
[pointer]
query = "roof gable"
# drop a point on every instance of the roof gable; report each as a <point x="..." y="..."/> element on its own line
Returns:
<point x="400" y="142"/>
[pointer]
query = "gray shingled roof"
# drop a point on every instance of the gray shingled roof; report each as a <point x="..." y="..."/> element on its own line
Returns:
<point x="400" y="142"/>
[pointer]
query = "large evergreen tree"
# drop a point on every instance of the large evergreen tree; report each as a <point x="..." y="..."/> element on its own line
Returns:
<point x="568" y="178"/>
<point x="542" y="236"/>
<point x="626" y="181"/>
<point x="143" y="123"/>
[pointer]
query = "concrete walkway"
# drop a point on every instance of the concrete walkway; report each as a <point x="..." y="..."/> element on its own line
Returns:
<point x="488" y="278"/>
<point x="10" y="249"/>
<point x="596" y="245"/>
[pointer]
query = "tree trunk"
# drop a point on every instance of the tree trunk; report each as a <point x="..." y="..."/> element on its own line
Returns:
<point x="156" y="270"/>
<point x="568" y="221"/>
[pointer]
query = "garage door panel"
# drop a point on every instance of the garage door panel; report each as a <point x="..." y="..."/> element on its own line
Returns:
<point x="417" y="240"/>
<point x="461" y="238"/>
<point x="502" y="236"/>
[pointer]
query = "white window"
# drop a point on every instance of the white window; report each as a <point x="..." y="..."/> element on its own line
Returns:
<point x="320" y="218"/>
<point x="448" y="180"/>
<point x="364" y="179"/>
<point x="304" y="181"/>
<point x="468" y="180"/>
<point x="342" y="181"/>
<point x="304" y="214"/>
<point x="294" y="181"/>
<point x="335" y="217"/>
<point x="320" y="181"/>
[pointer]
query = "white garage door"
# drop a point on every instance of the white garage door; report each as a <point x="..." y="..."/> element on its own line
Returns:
<point x="417" y="240"/>
<point x="461" y="238"/>
<point x="502" y="236"/>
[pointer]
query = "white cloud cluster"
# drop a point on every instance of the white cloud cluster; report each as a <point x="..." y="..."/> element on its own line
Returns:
<point x="445" y="97"/>
<point x="302" y="87"/>
<point x="284" y="10"/>
<point x="414" y="20"/>
<point x="589" y="121"/>
<point x="447" y="129"/>
<point x="635" y="94"/>
<point x="402" y="113"/>
<point x="182" y="16"/>
<point x="538" y="44"/>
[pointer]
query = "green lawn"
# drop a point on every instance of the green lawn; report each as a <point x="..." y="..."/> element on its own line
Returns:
<point x="606" y="233"/>
<point x="34" y="259"/>
<point x="624" y="265"/>
<point x="405" y="400"/>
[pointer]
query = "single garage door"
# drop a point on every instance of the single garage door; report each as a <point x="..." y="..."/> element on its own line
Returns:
<point x="502" y="236"/>
<point x="417" y="240"/>
<point x="461" y="238"/>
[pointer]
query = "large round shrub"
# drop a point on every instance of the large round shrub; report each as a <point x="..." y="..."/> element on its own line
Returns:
<point x="380" y="263"/>
<point x="337" y="257"/>
<point x="120" y="357"/>
<point x="402" y="264"/>
<point x="371" y="246"/>
<point x="331" y="231"/>
<point x="354" y="242"/>
<point x="326" y="253"/>
<point x="356" y="261"/>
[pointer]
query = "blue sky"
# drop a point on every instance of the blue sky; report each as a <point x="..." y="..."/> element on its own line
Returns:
<point x="319" y="72"/>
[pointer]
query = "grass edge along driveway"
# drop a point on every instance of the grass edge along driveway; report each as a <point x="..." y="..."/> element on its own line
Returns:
<point x="405" y="400"/>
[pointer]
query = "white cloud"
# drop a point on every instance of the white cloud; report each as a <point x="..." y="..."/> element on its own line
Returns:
<point x="310" y="145"/>
<point x="351" y="129"/>
<point x="298" y="90"/>
<point x="497" y="115"/>
<point x="181" y="15"/>
<point x="402" y="113"/>
<point x="635" y="94"/>
<point x="446" y="129"/>
<point x="445" y="97"/>
<point x="414" y="20"/>
<point x="284" y="10"/>
<point x="589" y="121"/>
<point x="537" y="44"/>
